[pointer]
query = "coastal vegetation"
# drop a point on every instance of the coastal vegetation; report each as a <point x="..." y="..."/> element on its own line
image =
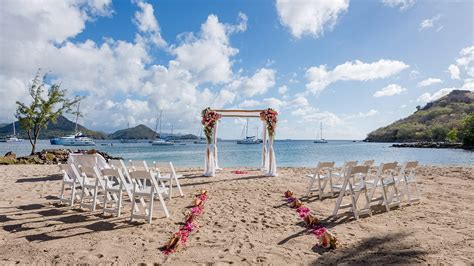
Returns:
<point x="448" y="119"/>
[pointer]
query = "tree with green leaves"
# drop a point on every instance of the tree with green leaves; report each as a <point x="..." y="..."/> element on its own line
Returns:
<point x="45" y="107"/>
<point x="467" y="132"/>
<point x="452" y="135"/>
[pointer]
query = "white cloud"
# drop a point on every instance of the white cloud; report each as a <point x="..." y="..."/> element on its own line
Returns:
<point x="370" y="113"/>
<point x="147" y="24"/>
<point x="429" y="82"/>
<point x="257" y="84"/>
<point x="428" y="97"/>
<point x="454" y="71"/>
<point x="466" y="60"/>
<point x="319" y="77"/>
<point x="282" y="89"/>
<point x="401" y="4"/>
<point x="208" y="56"/>
<point x="430" y="23"/>
<point x="307" y="17"/>
<point x="122" y="83"/>
<point x="265" y="103"/>
<point x="390" y="90"/>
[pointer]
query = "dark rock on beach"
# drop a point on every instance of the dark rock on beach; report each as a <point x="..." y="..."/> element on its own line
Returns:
<point x="433" y="145"/>
<point x="48" y="156"/>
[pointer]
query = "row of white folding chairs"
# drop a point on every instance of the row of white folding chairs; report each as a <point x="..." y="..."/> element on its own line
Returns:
<point x="112" y="182"/>
<point x="325" y="172"/>
<point x="392" y="180"/>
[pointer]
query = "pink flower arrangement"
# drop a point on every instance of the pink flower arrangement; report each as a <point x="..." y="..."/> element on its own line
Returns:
<point x="209" y="120"/>
<point x="303" y="211"/>
<point x="326" y="238"/>
<point x="181" y="237"/>
<point x="270" y="117"/>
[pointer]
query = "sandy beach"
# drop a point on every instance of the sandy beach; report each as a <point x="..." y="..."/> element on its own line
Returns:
<point x="246" y="221"/>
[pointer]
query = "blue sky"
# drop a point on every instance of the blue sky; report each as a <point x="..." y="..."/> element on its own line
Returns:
<point x="353" y="65"/>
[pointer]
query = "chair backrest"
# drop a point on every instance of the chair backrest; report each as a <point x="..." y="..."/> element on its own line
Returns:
<point x="346" y="166"/>
<point x="384" y="167"/>
<point x="70" y="171"/>
<point x="322" y="165"/>
<point x="138" y="165"/>
<point x="358" y="169"/>
<point x="113" y="175"/>
<point x="162" y="167"/>
<point x="409" y="167"/>
<point x="368" y="162"/>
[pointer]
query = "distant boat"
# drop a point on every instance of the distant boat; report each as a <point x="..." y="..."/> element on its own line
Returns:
<point x="159" y="141"/>
<point x="247" y="139"/>
<point x="13" y="138"/>
<point x="76" y="139"/>
<point x="321" y="140"/>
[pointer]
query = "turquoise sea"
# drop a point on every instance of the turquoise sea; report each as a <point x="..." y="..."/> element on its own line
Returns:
<point x="288" y="153"/>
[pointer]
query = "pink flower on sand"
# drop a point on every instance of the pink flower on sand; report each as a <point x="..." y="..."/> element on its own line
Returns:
<point x="319" y="232"/>
<point x="203" y="197"/>
<point x="189" y="227"/>
<point x="196" y="211"/>
<point x="303" y="211"/>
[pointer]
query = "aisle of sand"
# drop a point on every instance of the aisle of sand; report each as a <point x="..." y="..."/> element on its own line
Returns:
<point x="245" y="221"/>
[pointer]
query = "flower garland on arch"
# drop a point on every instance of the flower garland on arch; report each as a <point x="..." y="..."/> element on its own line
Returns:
<point x="180" y="238"/>
<point x="209" y="120"/>
<point x="326" y="238"/>
<point x="270" y="117"/>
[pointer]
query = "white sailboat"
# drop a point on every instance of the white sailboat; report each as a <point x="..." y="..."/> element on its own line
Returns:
<point x="321" y="140"/>
<point x="159" y="141"/>
<point x="13" y="138"/>
<point x="247" y="139"/>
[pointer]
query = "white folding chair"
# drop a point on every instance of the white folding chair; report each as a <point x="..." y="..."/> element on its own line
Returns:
<point x="406" y="177"/>
<point x="92" y="182"/>
<point x="354" y="190"/>
<point x="71" y="178"/>
<point x="321" y="179"/>
<point x="128" y="184"/>
<point x="345" y="167"/>
<point x="114" y="186"/>
<point x="165" y="172"/>
<point x="385" y="180"/>
<point x="142" y="193"/>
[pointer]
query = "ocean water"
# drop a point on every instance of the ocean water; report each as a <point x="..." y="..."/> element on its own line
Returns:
<point x="288" y="153"/>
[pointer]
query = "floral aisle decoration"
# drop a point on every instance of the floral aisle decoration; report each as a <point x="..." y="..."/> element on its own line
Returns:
<point x="180" y="238"/>
<point x="326" y="238"/>
<point x="209" y="120"/>
<point x="270" y="117"/>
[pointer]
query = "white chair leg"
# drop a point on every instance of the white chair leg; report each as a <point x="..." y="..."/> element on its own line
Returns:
<point x="150" y="209"/>
<point x="385" y="200"/>
<point x="311" y="182"/>
<point x="163" y="205"/>
<point x="179" y="187"/>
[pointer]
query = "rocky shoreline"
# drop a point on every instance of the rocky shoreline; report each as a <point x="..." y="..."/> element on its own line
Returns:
<point x="48" y="156"/>
<point x="432" y="145"/>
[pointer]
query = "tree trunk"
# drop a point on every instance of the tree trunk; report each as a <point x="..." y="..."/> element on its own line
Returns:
<point x="33" y="147"/>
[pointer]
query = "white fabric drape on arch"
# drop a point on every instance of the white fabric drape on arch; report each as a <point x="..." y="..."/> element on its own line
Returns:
<point x="216" y="163"/>
<point x="272" y="167"/>
<point x="264" y="149"/>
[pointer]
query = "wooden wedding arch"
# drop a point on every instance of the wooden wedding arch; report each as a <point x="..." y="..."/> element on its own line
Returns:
<point x="210" y="121"/>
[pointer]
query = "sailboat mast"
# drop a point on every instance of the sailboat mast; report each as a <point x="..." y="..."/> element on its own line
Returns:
<point x="14" y="131"/>
<point x="161" y="115"/>
<point x="77" y="117"/>
<point x="156" y="127"/>
<point x="247" y="129"/>
<point x="321" y="130"/>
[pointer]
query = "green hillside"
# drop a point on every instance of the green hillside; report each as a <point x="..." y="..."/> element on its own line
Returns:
<point x="62" y="127"/>
<point x="429" y="123"/>
<point x="138" y="132"/>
